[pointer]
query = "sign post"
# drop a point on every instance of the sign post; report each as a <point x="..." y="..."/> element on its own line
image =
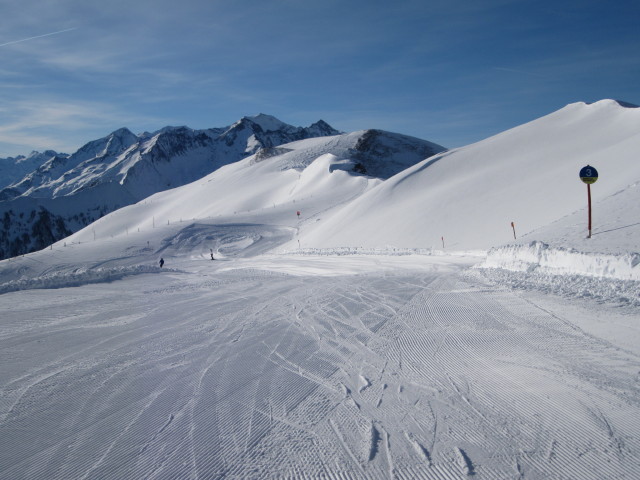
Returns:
<point x="589" y="175"/>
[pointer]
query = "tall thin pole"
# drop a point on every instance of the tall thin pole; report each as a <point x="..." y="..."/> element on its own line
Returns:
<point x="589" y="175"/>
<point x="589" y="201"/>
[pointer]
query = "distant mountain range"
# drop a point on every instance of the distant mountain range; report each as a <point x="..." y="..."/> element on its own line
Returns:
<point x="147" y="163"/>
<point x="45" y="197"/>
<point x="364" y="191"/>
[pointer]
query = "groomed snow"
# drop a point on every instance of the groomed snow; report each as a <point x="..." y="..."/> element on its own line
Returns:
<point x="313" y="364"/>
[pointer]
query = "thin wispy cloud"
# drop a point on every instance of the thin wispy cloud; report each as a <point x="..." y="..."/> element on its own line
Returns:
<point x="37" y="36"/>
<point x="428" y="69"/>
<point x="45" y="123"/>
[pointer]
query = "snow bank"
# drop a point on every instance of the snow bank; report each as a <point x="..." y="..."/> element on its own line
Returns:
<point x="624" y="292"/>
<point x="542" y="258"/>
<point x="76" y="278"/>
<point x="566" y="272"/>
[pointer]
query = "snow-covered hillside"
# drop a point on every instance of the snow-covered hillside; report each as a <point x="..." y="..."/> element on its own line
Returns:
<point x="310" y="176"/>
<point x="66" y="192"/>
<point x="470" y="196"/>
<point x="458" y="200"/>
<point x="306" y="325"/>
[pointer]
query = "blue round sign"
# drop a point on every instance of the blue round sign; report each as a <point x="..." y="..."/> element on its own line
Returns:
<point x="588" y="174"/>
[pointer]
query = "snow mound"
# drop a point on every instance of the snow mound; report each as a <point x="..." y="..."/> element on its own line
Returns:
<point x="540" y="257"/>
<point x="613" y="278"/>
<point x="82" y="276"/>
<point x="613" y="291"/>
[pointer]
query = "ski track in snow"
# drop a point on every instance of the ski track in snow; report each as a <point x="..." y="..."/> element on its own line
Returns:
<point x="251" y="374"/>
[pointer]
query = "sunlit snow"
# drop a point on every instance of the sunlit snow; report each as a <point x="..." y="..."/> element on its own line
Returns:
<point x="393" y="329"/>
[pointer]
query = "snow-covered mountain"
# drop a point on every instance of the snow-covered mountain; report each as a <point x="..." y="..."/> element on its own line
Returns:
<point x="527" y="175"/>
<point x="375" y="189"/>
<point x="13" y="169"/>
<point x="464" y="199"/>
<point x="147" y="163"/>
<point x="333" y="336"/>
<point x="310" y="176"/>
<point x="66" y="192"/>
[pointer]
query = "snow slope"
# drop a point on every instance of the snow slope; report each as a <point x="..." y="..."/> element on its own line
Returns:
<point x="294" y="355"/>
<point x="458" y="200"/>
<point x="615" y="238"/>
<point x="470" y="196"/>
<point x="67" y="192"/>
<point x="462" y="200"/>
<point x="310" y="176"/>
<point x="559" y="257"/>
<point x="265" y="366"/>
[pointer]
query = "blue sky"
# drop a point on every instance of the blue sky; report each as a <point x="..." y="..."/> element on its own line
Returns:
<point x="449" y="71"/>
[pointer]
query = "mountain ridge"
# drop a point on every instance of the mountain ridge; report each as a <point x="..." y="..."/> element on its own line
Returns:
<point x="122" y="168"/>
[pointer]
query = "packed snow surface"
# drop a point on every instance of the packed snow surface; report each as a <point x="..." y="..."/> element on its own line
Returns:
<point x="322" y="364"/>
<point x="262" y="351"/>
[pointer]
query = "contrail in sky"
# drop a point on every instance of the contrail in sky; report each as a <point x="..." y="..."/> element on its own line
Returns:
<point x="38" y="36"/>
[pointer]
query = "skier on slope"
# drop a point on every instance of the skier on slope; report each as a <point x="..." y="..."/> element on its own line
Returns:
<point x="161" y="262"/>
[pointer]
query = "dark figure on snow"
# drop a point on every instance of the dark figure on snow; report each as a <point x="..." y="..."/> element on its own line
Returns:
<point x="161" y="262"/>
<point x="211" y="254"/>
